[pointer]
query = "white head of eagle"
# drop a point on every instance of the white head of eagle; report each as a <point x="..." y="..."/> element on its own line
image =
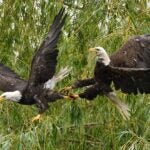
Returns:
<point x="12" y="96"/>
<point x="102" y="55"/>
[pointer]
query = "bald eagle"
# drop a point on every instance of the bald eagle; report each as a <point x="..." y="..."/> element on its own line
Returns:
<point x="128" y="69"/>
<point x="38" y="89"/>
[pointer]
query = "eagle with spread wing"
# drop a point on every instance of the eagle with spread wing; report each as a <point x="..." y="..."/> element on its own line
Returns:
<point x="39" y="88"/>
<point x="128" y="70"/>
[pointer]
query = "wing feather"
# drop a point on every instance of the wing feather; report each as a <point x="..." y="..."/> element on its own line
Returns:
<point x="44" y="62"/>
<point x="131" y="80"/>
<point x="135" y="53"/>
<point x="9" y="80"/>
<point x="4" y="70"/>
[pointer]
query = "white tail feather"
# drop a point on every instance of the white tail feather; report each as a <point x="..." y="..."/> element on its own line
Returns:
<point x="64" y="72"/>
<point x="122" y="107"/>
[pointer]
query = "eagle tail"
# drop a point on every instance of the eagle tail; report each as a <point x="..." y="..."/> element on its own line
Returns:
<point x="122" y="107"/>
<point x="64" y="72"/>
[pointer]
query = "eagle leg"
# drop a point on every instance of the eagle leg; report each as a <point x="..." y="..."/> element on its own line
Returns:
<point x="42" y="106"/>
<point x="79" y="84"/>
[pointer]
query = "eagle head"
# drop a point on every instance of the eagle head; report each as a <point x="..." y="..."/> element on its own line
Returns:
<point x="101" y="54"/>
<point x="12" y="96"/>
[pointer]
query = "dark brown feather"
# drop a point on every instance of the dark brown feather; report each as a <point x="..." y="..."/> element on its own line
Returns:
<point x="135" y="53"/>
<point x="91" y="92"/>
<point x="130" y="80"/>
<point x="45" y="59"/>
<point x="83" y="83"/>
<point x="9" y="80"/>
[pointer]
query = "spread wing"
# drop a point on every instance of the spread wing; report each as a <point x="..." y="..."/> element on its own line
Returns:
<point x="131" y="80"/>
<point x="45" y="59"/>
<point x="135" y="53"/>
<point x="9" y="80"/>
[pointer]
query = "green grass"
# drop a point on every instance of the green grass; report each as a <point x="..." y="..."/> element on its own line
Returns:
<point x="79" y="124"/>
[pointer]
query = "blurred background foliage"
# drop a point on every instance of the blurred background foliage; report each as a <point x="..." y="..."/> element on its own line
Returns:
<point x="80" y="124"/>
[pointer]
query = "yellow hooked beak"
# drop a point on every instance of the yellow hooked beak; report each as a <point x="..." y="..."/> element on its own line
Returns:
<point x="1" y="98"/>
<point x="92" y="49"/>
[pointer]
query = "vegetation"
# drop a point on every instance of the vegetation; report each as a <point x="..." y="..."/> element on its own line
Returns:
<point x="77" y="124"/>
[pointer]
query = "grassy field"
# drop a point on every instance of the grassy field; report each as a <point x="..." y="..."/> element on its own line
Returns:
<point x="72" y="125"/>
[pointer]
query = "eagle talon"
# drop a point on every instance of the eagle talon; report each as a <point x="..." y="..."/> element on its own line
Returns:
<point x="66" y="90"/>
<point x="74" y="96"/>
<point x="38" y="117"/>
<point x="71" y="96"/>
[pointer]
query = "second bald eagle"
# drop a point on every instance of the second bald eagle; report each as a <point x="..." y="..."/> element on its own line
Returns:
<point x="128" y="69"/>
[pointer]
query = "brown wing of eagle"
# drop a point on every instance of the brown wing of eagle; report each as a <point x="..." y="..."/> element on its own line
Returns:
<point x="44" y="62"/>
<point x="9" y="80"/>
<point x="130" y="80"/>
<point x="135" y="53"/>
<point x="134" y="60"/>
